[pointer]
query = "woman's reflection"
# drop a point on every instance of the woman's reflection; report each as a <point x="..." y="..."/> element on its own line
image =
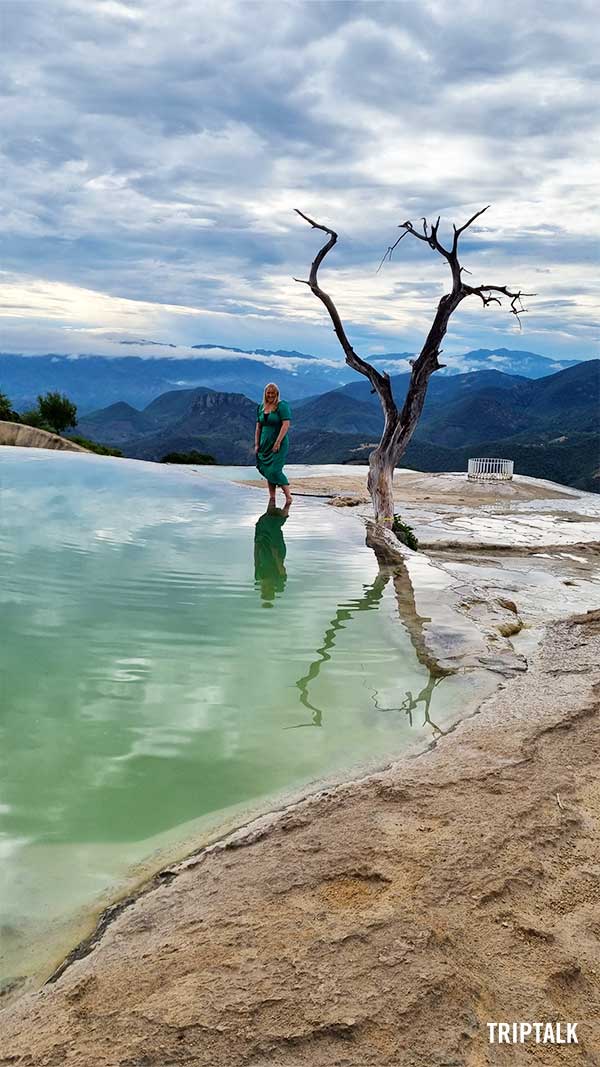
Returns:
<point x="269" y="554"/>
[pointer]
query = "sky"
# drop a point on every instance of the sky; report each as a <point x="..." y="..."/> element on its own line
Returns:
<point x="152" y="156"/>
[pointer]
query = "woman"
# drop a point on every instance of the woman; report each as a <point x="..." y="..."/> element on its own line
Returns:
<point x="271" y="441"/>
<point x="269" y="554"/>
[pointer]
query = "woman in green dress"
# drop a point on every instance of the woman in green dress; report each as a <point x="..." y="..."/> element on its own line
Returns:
<point x="269" y="554"/>
<point x="271" y="441"/>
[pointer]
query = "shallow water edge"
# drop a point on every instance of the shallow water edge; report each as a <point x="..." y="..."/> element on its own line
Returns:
<point x="450" y="642"/>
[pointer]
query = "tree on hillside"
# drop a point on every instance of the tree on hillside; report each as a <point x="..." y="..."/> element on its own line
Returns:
<point x="6" y="412"/>
<point x="400" y="425"/>
<point x="57" y="411"/>
<point x="194" y="458"/>
<point x="33" y="418"/>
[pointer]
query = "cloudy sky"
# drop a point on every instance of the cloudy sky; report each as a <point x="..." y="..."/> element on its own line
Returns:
<point x="153" y="153"/>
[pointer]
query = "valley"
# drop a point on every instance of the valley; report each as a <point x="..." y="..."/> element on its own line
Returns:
<point x="548" y="426"/>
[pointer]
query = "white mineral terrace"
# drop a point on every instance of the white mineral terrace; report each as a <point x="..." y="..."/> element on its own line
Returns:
<point x="570" y="520"/>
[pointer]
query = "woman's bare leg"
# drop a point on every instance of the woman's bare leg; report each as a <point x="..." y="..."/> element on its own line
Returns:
<point x="288" y="495"/>
<point x="272" y="489"/>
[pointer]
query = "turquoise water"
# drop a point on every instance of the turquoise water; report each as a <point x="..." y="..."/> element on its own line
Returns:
<point x="170" y="658"/>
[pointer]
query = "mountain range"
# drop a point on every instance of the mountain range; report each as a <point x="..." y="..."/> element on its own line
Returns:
<point x="93" y="381"/>
<point x="474" y="407"/>
<point x="548" y="425"/>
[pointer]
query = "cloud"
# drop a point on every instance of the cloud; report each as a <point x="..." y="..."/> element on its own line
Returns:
<point x="150" y="175"/>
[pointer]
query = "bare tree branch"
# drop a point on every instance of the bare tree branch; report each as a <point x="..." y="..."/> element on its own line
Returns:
<point x="380" y="382"/>
<point x="390" y="251"/>
<point x="430" y="237"/>
<point x="400" y="426"/>
<point x="465" y="226"/>
<point x="516" y="299"/>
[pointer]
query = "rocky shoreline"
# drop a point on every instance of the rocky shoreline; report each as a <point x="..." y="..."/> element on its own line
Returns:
<point x="382" y="922"/>
<point x="387" y="920"/>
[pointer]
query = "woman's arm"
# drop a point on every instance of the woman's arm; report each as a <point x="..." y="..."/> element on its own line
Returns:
<point x="285" y="425"/>
<point x="257" y="437"/>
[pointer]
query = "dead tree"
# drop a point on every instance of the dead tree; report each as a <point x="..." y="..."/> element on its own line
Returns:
<point x="399" y="426"/>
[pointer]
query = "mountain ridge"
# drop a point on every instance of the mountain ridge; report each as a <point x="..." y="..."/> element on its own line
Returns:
<point x="93" y="380"/>
<point x="462" y="414"/>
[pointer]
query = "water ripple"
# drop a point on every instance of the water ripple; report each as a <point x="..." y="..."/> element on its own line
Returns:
<point x="163" y="641"/>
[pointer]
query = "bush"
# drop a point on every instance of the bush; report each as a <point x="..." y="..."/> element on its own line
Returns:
<point x="194" y="457"/>
<point x="6" y="412"/>
<point x="100" y="450"/>
<point x="33" y="418"/>
<point x="57" y="411"/>
<point x="405" y="533"/>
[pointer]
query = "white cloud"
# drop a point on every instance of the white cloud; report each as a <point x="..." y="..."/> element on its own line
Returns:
<point x="150" y="176"/>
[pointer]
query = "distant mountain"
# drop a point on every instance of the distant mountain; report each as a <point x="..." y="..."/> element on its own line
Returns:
<point x="92" y="381"/>
<point x="471" y="408"/>
<point x="286" y="353"/>
<point x="573" y="460"/>
<point x="549" y="426"/>
<point x="115" y="424"/>
<point x="509" y="361"/>
<point x="340" y="412"/>
<point x="209" y="412"/>
<point x="564" y="403"/>
<point x="221" y="424"/>
<point x="169" y="407"/>
<point x="441" y="387"/>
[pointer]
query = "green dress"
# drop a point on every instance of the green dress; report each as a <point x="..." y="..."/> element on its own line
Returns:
<point x="270" y="463"/>
<point x="269" y="554"/>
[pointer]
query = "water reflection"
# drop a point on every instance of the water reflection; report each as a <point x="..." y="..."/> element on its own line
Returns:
<point x="142" y="685"/>
<point x="270" y="575"/>
<point x="269" y="554"/>
<point x="344" y="613"/>
<point x="411" y="703"/>
<point x="414" y="625"/>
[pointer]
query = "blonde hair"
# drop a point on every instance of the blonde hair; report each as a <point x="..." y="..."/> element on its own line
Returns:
<point x="270" y="385"/>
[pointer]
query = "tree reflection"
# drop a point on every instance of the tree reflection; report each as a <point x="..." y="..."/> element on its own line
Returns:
<point x="368" y="602"/>
<point x="414" y="625"/>
<point x="411" y="703"/>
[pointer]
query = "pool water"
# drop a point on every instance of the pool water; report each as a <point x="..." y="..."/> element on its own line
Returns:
<point x="171" y="659"/>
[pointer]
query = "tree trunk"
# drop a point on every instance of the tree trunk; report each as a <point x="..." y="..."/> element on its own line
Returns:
<point x="400" y="426"/>
<point x="380" y="485"/>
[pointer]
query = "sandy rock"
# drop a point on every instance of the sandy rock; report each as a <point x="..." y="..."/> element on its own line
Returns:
<point x="346" y="501"/>
<point x="14" y="433"/>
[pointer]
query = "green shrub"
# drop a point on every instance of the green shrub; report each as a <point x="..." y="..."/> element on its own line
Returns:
<point x="100" y="450"/>
<point x="405" y="533"/>
<point x="57" y="411"/>
<point x="6" y="412"/>
<point x="33" y="418"/>
<point x="194" y="457"/>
